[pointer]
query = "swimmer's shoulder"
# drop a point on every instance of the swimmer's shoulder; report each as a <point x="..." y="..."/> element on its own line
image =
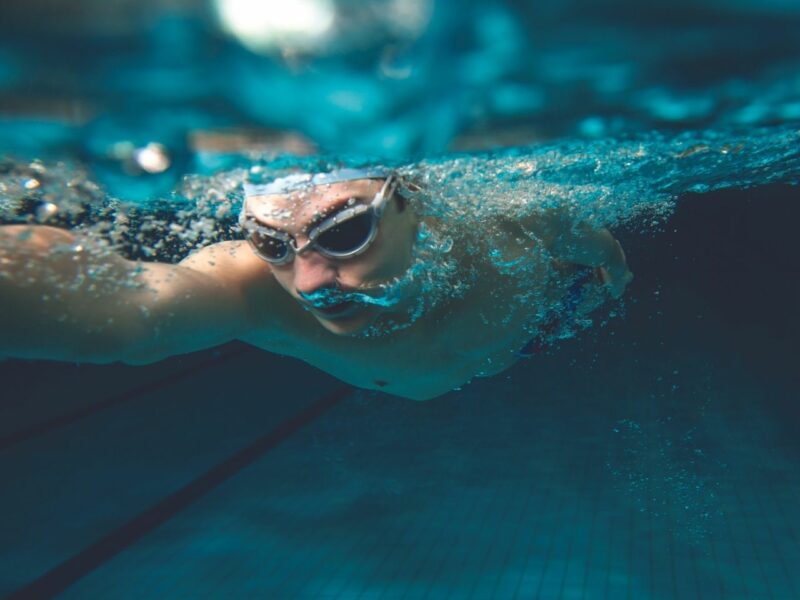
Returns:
<point x="234" y="264"/>
<point x="231" y="260"/>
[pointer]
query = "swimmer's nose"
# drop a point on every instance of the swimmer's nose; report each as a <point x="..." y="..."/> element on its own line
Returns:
<point x="313" y="272"/>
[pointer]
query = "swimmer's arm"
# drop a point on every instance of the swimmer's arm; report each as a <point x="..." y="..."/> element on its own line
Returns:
<point x="66" y="300"/>
<point x="581" y="244"/>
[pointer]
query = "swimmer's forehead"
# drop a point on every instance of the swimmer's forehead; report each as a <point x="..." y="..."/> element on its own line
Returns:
<point x="307" y="203"/>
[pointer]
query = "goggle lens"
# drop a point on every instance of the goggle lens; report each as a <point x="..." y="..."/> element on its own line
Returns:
<point x="270" y="247"/>
<point x="347" y="236"/>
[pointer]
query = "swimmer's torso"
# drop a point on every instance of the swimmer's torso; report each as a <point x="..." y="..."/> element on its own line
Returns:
<point x="440" y="352"/>
<point x="478" y="334"/>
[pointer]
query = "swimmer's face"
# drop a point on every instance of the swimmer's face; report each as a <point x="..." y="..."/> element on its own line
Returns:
<point x="314" y="274"/>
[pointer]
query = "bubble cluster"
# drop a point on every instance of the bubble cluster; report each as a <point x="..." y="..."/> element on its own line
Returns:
<point x="474" y="209"/>
<point x="667" y="474"/>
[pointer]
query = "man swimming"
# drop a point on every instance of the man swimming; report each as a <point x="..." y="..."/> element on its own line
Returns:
<point x="332" y="271"/>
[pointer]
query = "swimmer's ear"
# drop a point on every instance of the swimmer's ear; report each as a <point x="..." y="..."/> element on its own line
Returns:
<point x="409" y="185"/>
<point x="413" y="187"/>
<point x="406" y="188"/>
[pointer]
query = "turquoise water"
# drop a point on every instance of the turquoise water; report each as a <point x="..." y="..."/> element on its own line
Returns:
<point x="650" y="453"/>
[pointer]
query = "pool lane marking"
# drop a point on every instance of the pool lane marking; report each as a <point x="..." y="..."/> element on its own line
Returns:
<point x="65" y="419"/>
<point x="60" y="577"/>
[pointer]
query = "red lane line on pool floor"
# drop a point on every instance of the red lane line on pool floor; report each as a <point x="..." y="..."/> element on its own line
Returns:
<point x="37" y="429"/>
<point x="59" y="578"/>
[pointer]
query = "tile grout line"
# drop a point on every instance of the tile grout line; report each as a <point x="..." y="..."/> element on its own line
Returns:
<point x="582" y="493"/>
<point x="63" y="575"/>
<point x="64" y="420"/>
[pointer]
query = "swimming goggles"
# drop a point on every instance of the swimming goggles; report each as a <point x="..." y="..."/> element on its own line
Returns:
<point x="344" y="235"/>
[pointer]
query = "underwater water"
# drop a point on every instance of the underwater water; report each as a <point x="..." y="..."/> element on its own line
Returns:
<point x="650" y="452"/>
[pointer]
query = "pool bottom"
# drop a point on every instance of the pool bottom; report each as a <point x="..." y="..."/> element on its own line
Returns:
<point x="650" y="458"/>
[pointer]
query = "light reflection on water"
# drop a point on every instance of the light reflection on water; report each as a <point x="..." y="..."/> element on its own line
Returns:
<point x="388" y="78"/>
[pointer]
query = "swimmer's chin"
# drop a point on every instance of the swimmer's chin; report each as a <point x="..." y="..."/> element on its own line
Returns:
<point x="349" y="323"/>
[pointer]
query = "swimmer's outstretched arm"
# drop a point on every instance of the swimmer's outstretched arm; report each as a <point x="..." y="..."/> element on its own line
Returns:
<point x="64" y="299"/>
<point x="582" y="244"/>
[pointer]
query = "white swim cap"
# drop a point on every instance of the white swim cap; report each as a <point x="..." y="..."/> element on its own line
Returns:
<point x="298" y="181"/>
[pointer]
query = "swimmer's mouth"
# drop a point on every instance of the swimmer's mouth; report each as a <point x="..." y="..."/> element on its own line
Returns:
<point x="337" y="311"/>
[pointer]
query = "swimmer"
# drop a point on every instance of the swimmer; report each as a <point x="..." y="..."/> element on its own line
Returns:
<point x="328" y="272"/>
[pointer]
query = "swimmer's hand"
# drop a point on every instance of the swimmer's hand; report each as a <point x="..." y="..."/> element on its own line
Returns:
<point x="615" y="274"/>
<point x="583" y="244"/>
